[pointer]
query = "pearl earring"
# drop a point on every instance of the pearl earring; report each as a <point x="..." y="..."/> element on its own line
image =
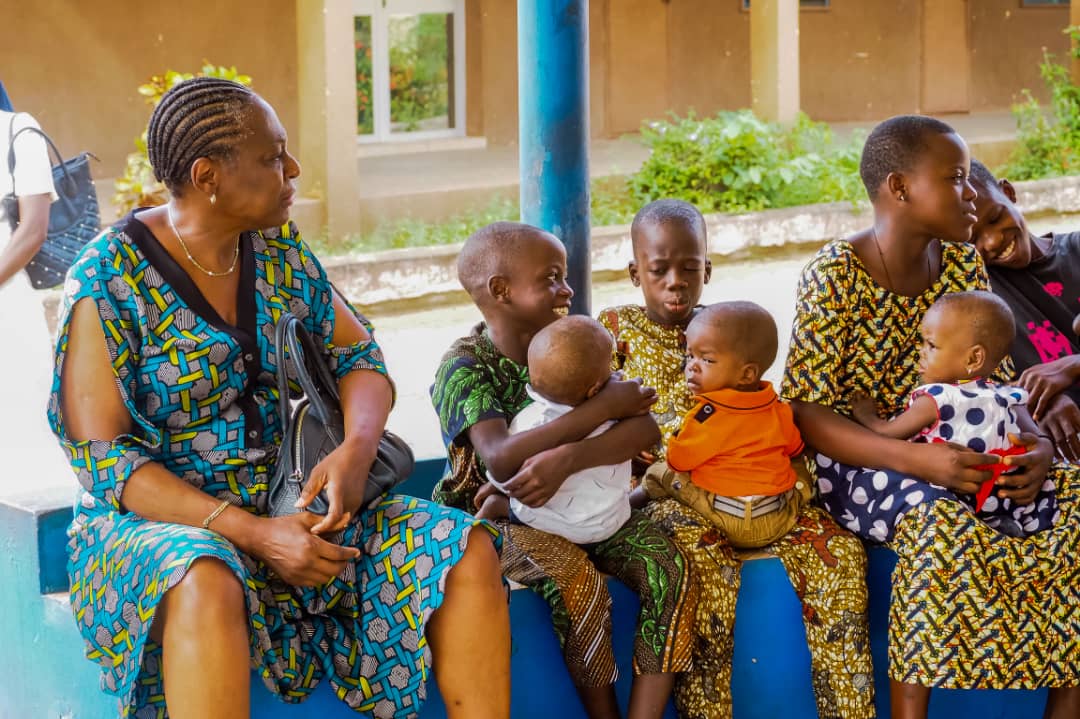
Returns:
<point x="213" y="199"/>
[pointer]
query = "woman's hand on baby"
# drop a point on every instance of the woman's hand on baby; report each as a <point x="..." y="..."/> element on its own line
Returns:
<point x="1044" y="382"/>
<point x="1023" y="485"/>
<point x="952" y="466"/>
<point x="541" y="475"/>
<point x="625" y="398"/>
<point x="339" y="474"/>
<point x="291" y="550"/>
<point x="1062" y="422"/>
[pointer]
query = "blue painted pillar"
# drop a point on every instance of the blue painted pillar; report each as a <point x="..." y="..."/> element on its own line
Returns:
<point x="553" y="117"/>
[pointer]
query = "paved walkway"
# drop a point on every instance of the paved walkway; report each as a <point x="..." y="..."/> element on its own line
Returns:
<point x="435" y="184"/>
<point x="483" y="168"/>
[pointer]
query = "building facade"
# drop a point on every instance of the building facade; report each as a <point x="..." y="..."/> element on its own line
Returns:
<point x="383" y="72"/>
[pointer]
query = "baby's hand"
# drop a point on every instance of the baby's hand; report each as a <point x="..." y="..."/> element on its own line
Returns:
<point x="625" y="398"/>
<point x="642" y="462"/>
<point x="863" y="409"/>
<point x="487" y="489"/>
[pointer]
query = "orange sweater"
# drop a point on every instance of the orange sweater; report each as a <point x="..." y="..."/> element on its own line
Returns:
<point x="737" y="443"/>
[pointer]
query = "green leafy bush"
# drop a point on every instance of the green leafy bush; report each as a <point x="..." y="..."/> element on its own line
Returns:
<point x="737" y="162"/>
<point x="734" y="162"/>
<point x="1048" y="145"/>
<point x="138" y="187"/>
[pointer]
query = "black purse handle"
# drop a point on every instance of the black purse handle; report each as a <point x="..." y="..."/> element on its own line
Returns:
<point x="312" y="373"/>
<point x="58" y="160"/>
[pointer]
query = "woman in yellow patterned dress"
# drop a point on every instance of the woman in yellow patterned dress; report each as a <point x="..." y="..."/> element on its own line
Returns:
<point x="971" y="608"/>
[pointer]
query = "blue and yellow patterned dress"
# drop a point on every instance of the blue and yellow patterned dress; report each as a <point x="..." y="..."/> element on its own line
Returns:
<point x="971" y="608"/>
<point x="203" y="398"/>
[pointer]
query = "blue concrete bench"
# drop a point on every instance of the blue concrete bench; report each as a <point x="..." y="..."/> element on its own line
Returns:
<point x="47" y="675"/>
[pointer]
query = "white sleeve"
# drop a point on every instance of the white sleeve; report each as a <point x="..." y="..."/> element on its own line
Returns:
<point x="33" y="173"/>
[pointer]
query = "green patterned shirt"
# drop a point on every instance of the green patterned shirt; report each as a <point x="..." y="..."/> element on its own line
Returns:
<point x="474" y="382"/>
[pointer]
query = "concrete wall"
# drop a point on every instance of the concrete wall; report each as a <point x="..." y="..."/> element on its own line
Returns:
<point x="860" y="60"/>
<point x="76" y="65"/>
<point x="1006" y="48"/>
<point x="491" y="69"/>
<point x="709" y="56"/>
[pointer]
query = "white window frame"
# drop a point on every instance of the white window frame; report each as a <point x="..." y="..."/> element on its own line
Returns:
<point x="380" y="12"/>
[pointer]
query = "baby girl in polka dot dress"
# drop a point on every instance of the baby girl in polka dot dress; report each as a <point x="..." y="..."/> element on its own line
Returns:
<point x="965" y="337"/>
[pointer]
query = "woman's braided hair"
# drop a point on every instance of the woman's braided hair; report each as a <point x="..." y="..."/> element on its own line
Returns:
<point x="200" y="117"/>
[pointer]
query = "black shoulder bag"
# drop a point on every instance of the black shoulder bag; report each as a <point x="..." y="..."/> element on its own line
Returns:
<point x="316" y="426"/>
<point x="74" y="218"/>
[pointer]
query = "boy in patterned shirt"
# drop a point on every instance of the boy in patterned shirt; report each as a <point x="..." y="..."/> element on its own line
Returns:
<point x="516" y="275"/>
<point x="672" y="267"/>
<point x="826" y="565"/>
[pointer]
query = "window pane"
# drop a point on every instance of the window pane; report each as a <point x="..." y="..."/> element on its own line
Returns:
<point x="421" y="72"/>
<point x="365" y="110"/>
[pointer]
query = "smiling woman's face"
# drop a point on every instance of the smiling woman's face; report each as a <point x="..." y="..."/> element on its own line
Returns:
<point x="1000" y="233"/>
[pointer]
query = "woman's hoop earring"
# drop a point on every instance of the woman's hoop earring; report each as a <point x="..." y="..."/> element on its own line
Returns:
<point x="213" y="199"/>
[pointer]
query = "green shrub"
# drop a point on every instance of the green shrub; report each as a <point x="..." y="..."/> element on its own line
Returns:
<point x="138" y="187"/>
<point x="736" y="162"/>
<point x="1048" y="144"/>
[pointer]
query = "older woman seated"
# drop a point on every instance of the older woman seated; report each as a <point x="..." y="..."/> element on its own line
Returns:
<point x="166" y="402"/>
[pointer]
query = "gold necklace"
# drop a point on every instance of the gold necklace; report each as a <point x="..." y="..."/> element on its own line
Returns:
<point x="211" y="273"/>
<point x="881" y="256"/>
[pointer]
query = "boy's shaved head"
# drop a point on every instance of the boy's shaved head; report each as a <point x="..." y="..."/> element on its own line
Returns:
<point x="662" y="212"/>
<point x="492" y="250"/>
<point x="570" y="357"/>
<point x="896" y="145"/>
<point x="991" y="321"/>
<point x="746" y="328"/>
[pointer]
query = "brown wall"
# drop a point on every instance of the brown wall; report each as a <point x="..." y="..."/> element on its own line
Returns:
<point x="945" y="74"/>
<point x="1006" y="49"/>
<point x="860" y="60"/>
<point x="76" y="65"/>
<point x="491" y="68"/>
<point x="708" y="56"/>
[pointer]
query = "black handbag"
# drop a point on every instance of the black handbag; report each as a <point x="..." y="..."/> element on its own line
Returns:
<point x="74" y="219"/>
<point x="315" y="426"/>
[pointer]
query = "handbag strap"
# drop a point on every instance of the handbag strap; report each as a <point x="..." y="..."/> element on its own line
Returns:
<point x="294" y="342"/>
<point x="58" y="161"/>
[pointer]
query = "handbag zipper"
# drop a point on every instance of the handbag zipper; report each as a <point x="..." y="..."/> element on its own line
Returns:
<point x="298" y="471"/>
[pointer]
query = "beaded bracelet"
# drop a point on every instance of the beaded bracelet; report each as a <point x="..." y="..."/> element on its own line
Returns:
<point x="214" y="515"/>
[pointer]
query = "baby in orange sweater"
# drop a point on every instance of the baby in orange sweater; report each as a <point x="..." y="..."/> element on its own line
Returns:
<point x="731" y="461"/>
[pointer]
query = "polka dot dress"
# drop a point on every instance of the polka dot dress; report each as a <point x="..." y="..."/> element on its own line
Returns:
<point x="979" y="415"/>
